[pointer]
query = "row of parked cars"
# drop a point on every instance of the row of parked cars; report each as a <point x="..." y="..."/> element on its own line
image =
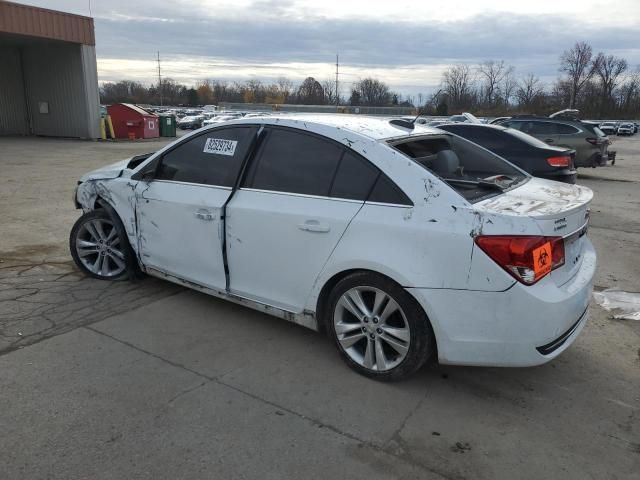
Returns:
<point x="619" y="128"/>
<point x="548" y="147"/>
<point x="195" y="121"/>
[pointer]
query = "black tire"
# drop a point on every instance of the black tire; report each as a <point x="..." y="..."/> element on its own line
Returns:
<point x="130" y="266"/>
<point x="422" y="346"/>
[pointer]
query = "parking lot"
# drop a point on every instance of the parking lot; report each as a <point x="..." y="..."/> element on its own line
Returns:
<point x="144" y="379"/>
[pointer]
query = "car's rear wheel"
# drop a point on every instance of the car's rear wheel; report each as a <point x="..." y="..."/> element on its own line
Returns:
<point x="100" y="248"/>
<point x="380" y="330"/>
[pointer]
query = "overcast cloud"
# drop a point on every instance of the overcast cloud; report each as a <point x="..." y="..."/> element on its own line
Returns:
<point x="407" y="44"/>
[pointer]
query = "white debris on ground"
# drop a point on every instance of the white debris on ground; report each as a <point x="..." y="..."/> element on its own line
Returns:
<point x="625" y="304"/>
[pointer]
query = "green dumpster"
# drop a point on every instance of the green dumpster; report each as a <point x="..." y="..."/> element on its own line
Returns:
<point x="167" y="125"/>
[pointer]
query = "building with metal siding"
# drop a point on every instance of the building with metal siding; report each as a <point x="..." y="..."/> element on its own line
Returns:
<point x="48" y="79"/>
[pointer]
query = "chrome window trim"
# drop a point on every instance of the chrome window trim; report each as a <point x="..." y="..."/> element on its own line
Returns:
<point x="206" y="185"/>
<point x="383" y="204"/>
<point x="303" y="195"/>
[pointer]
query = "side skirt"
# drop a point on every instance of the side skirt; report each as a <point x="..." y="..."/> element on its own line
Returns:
<point x="306" y="318"/>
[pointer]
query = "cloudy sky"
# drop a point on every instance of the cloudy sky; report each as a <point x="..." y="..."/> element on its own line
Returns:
<point x="407" y="43"/>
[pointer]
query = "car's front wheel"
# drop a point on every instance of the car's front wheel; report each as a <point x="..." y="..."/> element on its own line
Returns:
<point x="380" y="330"/>
<point x="100" y="248"/>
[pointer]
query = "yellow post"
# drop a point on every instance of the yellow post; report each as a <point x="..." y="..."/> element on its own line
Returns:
<point x="111" y="134"/>
<point x="103" y="133"/>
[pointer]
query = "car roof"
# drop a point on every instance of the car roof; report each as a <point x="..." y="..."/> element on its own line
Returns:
<point x="375" y="128"/>
<point x="475" y="125"/>
<point x="534" y="118"/>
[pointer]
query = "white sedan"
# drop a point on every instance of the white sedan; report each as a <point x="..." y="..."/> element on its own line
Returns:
<point x="403" y="242"/>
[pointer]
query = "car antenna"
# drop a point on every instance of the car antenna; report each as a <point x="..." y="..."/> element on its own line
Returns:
<point x="400" y="122"/>
<point x="417" y="116"/>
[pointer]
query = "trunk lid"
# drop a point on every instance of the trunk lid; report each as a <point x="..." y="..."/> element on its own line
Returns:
<point x="558" y="209"/>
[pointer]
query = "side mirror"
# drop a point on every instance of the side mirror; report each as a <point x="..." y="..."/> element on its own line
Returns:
<point x="148" y="172"/>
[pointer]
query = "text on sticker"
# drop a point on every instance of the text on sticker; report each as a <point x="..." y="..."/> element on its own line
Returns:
<point x="220" y="146"/>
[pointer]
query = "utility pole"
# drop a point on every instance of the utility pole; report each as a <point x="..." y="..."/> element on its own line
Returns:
<point x="159" y="78"/>
<point x="337" y="91"/>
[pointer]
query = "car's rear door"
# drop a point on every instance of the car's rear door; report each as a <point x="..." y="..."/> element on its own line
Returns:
<point x="299" y="194"/>
<point x="180" y="228"/>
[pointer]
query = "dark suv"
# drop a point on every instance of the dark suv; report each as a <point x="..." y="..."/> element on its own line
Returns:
<point x="589" y="142"/>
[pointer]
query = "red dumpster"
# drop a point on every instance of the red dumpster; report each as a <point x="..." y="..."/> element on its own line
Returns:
<point x="131" y="121"/>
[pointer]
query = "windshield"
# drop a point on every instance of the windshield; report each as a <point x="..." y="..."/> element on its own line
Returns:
<point x="474" y="172"/>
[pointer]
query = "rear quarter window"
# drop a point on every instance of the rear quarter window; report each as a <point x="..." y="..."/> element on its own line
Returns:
<point x="475" y="173"/>
<point x="564" y="129"/>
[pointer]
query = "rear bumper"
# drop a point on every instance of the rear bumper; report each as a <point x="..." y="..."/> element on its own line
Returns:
<point x="565" y="176"/>
<point x="521" y="326"/>
<point x="594" y="160"/>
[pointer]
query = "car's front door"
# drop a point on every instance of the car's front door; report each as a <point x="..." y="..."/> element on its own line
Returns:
<point x="180" y="229"/>
<point x="299" y="195"/>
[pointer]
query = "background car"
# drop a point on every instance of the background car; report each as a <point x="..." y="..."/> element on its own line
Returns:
<point x="191" y="122"/>
<point x="222" y="117"/>
<point x="626" y="129"/>
<point x="610" y="128"/>
<point x="588" y="141"/>
<point x="465" y="117"/>
<point x="525" y="151"/>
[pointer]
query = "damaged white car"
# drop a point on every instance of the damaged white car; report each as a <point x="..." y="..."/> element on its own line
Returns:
<point x="403" y="242"/>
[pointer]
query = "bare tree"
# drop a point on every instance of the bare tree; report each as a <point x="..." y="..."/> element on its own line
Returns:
<point x="329" y="87"/>
<point x="285" y="87"/>
<point x="608" y="69"/>
<point x="629" y="91"/>
<point x="493" y="74"/>
<point x="457" y="84"/>
<point x="373" y="92"/>
<point x="529" y="90"/>
<point x="576" y="63"/>
<point x="508" y="87"/>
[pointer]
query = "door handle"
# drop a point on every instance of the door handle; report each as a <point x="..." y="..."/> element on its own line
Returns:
<point x="203" y="214"/>
<point x="549" y="140"/>
<point x="314" y="226"/>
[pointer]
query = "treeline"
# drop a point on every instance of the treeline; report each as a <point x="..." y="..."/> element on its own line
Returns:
<point x="600" y="85"/>
<point x="368" y="91"/>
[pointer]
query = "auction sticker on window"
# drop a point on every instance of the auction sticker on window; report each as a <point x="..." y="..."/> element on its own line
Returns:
<point x="542" y="260"/>
<point x="220" y="146"/>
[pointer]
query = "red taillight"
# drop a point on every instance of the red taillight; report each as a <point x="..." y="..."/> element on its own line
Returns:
<point x="592" y="140"/>
<point x="526" y="258"/>
<point x="559" y="161"/>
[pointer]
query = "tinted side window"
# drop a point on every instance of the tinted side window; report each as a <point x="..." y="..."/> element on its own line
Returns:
<point x="354" y="178"/>
<point x="566" y="129"/>
<point x="512" y="124"/>
<point x="214" y="158"/>
<point x="385" y="191"/>
<point x="543" y="128"/>
<point x="294" y="162"/>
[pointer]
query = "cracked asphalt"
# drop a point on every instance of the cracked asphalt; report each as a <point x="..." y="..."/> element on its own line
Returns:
<point x="145" y="379"/>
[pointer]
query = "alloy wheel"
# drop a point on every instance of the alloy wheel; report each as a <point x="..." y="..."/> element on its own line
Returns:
<point x="371" y="328"/>
<point x="99" y="248"/>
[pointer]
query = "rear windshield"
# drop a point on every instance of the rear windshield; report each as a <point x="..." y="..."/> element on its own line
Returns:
<point x="533" y="141"/>
<point x="599" y="132"/>
<point x="471" y="170"/>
